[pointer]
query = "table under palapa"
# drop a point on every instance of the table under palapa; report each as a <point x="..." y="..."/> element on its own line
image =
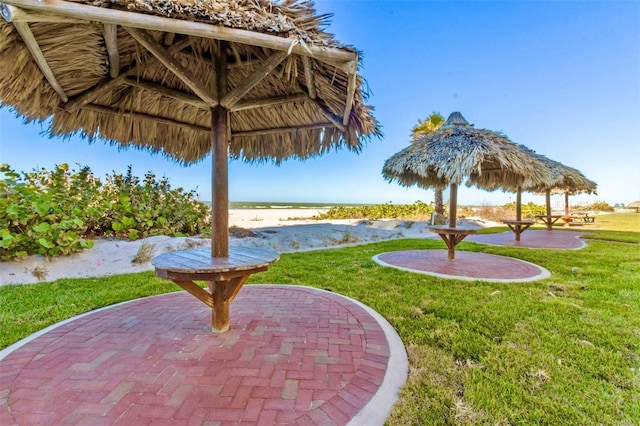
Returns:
<point x="549" y="220"/>
<point x="518" y="226"/>
<point x="224" y="275"/>
<point x="451" y="237"/>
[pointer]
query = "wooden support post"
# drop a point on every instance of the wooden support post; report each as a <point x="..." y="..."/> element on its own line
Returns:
<point x="220" y="311"/>
<point x="220" y="183"/>
<point x="519" y="204"/>
<point x="566" y="204"/>
<point x="223" y="293"/>
<point x="451" y="247"/>
<point x="547" y="196"/>
<point x="453" y="204"/>
<point x="220" y="135"/>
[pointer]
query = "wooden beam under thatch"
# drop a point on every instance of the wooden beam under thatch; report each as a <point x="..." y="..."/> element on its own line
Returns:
<point x="94" y="93"/>
<point x="165" y="91"/>
<point x="308" y="75"/>
<point x="351" y="91"/>
<point x="110" y="32"/>
<point x="276" y="130"/>
<point x="91" y="95"/>
<point x="172" y="64"/>
<point x="157" y="119"/>
<point x="207" y="60"/>
<point x="329" y="116"/>
<point x="15" y="14"/>
<point x="36" y="53"/>
<point x="267" y="102"/>
<point x="265" y="68"/>
<point x="343" y="59"/>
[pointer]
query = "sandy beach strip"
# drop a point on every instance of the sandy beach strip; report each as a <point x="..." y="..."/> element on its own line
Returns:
<point x="283" y="230"/>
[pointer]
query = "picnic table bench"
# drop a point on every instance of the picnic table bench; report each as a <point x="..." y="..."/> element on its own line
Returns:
<point x="518" y="226"/>
<point x="224" y="275"/>
<point x="579" y="218"/>
<point x="549" y="220"/>
<point x="452" y="236"/>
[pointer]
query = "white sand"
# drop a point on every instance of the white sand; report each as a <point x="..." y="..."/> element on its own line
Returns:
<point x="281" y="230"/>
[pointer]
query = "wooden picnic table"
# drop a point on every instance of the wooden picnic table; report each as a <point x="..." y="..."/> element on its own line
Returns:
<point x="577" y="218"/>
<point x="549" y="220"/>
<point x="452" y="236"/>
<point x="224" y="275"/>
<point x="584" y="218"/>
<point x="518" y="226"/>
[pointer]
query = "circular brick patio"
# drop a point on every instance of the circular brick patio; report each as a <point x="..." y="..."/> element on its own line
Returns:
<point x="466" y="266"/>
<point x="539" y="239"/>
<point x="293" y="355"/>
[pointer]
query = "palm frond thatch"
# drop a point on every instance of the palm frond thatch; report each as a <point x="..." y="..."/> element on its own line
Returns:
<point x="306" y="105"/>
<point x="564" y="180"/>
<point x="457" y="152"/>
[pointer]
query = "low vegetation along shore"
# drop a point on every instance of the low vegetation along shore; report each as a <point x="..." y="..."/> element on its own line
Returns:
<point x="564" y="350"/>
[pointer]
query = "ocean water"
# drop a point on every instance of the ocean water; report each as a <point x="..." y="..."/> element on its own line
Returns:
<point x="282" y="205"/>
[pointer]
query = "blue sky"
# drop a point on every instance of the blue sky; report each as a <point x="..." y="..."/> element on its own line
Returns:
<point x="561" y="77"/>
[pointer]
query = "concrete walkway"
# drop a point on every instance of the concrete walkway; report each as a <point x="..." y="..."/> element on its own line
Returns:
<point x="294" y="355"/>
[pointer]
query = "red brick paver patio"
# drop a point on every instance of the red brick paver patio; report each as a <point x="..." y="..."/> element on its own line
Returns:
<point x="293" y="355"/>
<point x="466" y="266"/>
<point x="544" y="239"/>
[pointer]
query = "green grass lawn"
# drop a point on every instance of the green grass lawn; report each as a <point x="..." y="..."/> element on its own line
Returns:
<point x="561" y="351"/>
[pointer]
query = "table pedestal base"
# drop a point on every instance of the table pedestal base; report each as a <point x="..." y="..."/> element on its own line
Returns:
<point x="451" y="237"/>
<point x="549" y="220"/>
<point x="518" y="226"/>
<point x="220" y="295"/>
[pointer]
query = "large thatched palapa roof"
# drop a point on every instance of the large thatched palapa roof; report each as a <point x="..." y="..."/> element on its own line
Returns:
<point x="256" y="79"/>
<point x="143" y="73"/>
<point x="457" y="152"/>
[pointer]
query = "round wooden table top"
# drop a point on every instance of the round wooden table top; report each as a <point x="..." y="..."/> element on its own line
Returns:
<point x="200" y="260"/>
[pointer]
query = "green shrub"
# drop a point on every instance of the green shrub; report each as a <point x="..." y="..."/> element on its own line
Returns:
<point x="57" y="212"/>
<point x="496" y="213"/>
<point x="529" y="210"/>
<point x="598" y="206"/>
<point x="417" y="210"/>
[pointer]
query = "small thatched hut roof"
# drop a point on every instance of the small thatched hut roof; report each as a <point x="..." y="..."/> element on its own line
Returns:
<point x="457" y="152"/>
<point x="143" y="73"/>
